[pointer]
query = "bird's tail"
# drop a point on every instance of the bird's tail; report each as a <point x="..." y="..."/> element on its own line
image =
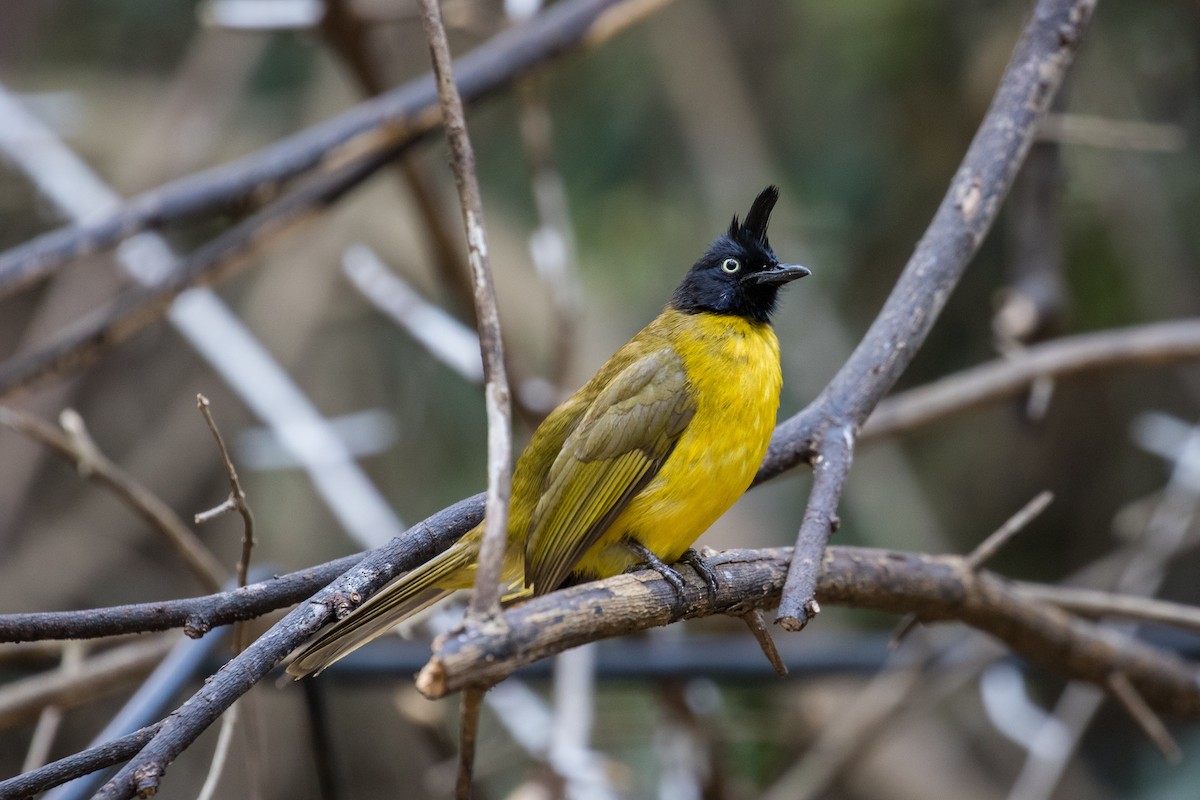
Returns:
<point x="404" y="596"/>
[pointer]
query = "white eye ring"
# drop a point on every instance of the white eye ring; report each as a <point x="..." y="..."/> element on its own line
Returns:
<point x="731" y="265"/>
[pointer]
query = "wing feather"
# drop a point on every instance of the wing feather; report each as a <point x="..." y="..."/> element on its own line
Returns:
<point x="626" y="434"/>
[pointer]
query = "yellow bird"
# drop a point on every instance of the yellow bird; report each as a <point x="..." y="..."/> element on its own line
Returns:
<point x="641" y="460"/>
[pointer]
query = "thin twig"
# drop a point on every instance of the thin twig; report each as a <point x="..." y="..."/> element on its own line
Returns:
<point x="237" y="497"/>
<point x="799" y="604"/>
<point x="485" y="599"/>
<point x="984" y="551"/>
<point x="468" y="735"/>
<point x="1150" y="723"/>
<point x="196" y="615"/>
<point x="1096" y="603"/>
<point x="754" y="621"/>
<point x="220" y="753"/>
<point x="1011" y="527"/>
<point x="237" y="502"/>
<point x="79" y="450"/>
<point x="1155" y="343"/>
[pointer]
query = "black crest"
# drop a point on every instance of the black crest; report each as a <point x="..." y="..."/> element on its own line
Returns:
<point x="754" y="230"/>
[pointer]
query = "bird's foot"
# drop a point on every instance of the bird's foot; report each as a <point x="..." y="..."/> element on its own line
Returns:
<point x="651" y="561"/>
<point x="696" y="561"/>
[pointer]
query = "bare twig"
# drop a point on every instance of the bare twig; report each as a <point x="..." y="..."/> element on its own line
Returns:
<point x="1011" y="527"/>
<point x="984" y="551"/>
<point x="1095" y="603"/>
<point x="754" y="621"/>
<point x="485" y="599"/>
<point x="220" y="753"/>
<point x="237" y="502"/>
<point x="472" y="705"/>
<point x="79" y="450"/>
<point x="196" y="615"/>
<point x="1127" y="695"/>
<point x="237" y="497"/>
<point x="830" y="469"/>
<point x="1156" y="343"/>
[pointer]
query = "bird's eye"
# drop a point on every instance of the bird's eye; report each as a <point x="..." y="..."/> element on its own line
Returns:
<point x="731" y="265"/>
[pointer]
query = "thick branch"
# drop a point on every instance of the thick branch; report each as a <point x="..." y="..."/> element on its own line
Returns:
<point x="382" y="126"/>
<point x="963" y="218"/>
<point x="935" y="588"/>
<point x="1039" y="63"/>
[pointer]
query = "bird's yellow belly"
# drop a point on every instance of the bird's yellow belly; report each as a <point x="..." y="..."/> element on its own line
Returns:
<point x="733" y="366"/>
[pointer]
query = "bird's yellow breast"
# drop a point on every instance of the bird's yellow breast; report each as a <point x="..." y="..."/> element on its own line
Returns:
<point x="732" y="367"/>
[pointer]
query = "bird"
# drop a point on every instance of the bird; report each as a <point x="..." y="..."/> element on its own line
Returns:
<point x="634" y="466"/>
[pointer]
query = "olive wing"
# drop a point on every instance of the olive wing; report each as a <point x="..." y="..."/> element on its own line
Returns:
<point x="618" y="447"/>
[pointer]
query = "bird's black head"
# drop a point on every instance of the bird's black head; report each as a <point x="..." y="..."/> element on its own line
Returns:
<point x="739" y="275"/>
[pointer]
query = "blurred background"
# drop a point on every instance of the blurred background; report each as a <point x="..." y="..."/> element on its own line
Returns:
<point x="604" y="176"/>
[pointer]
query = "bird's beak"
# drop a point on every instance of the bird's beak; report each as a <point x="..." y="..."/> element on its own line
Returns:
<point x="779" y="274"/>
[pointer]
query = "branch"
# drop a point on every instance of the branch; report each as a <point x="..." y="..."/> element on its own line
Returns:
<point x="76" y="766"/>
<point x="1038" y="65"/>
<point x="369" y="134"/>
<point x="485" y="598"/>
<point x="936" y="588"/>
<point x="196" y="615"/>
<point x="830" y="469"/>
<point x="1156" y="343"/>
<point x="143" y="773"/>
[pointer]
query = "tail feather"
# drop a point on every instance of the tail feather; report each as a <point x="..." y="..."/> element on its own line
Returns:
<point x="405" y="596"/>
